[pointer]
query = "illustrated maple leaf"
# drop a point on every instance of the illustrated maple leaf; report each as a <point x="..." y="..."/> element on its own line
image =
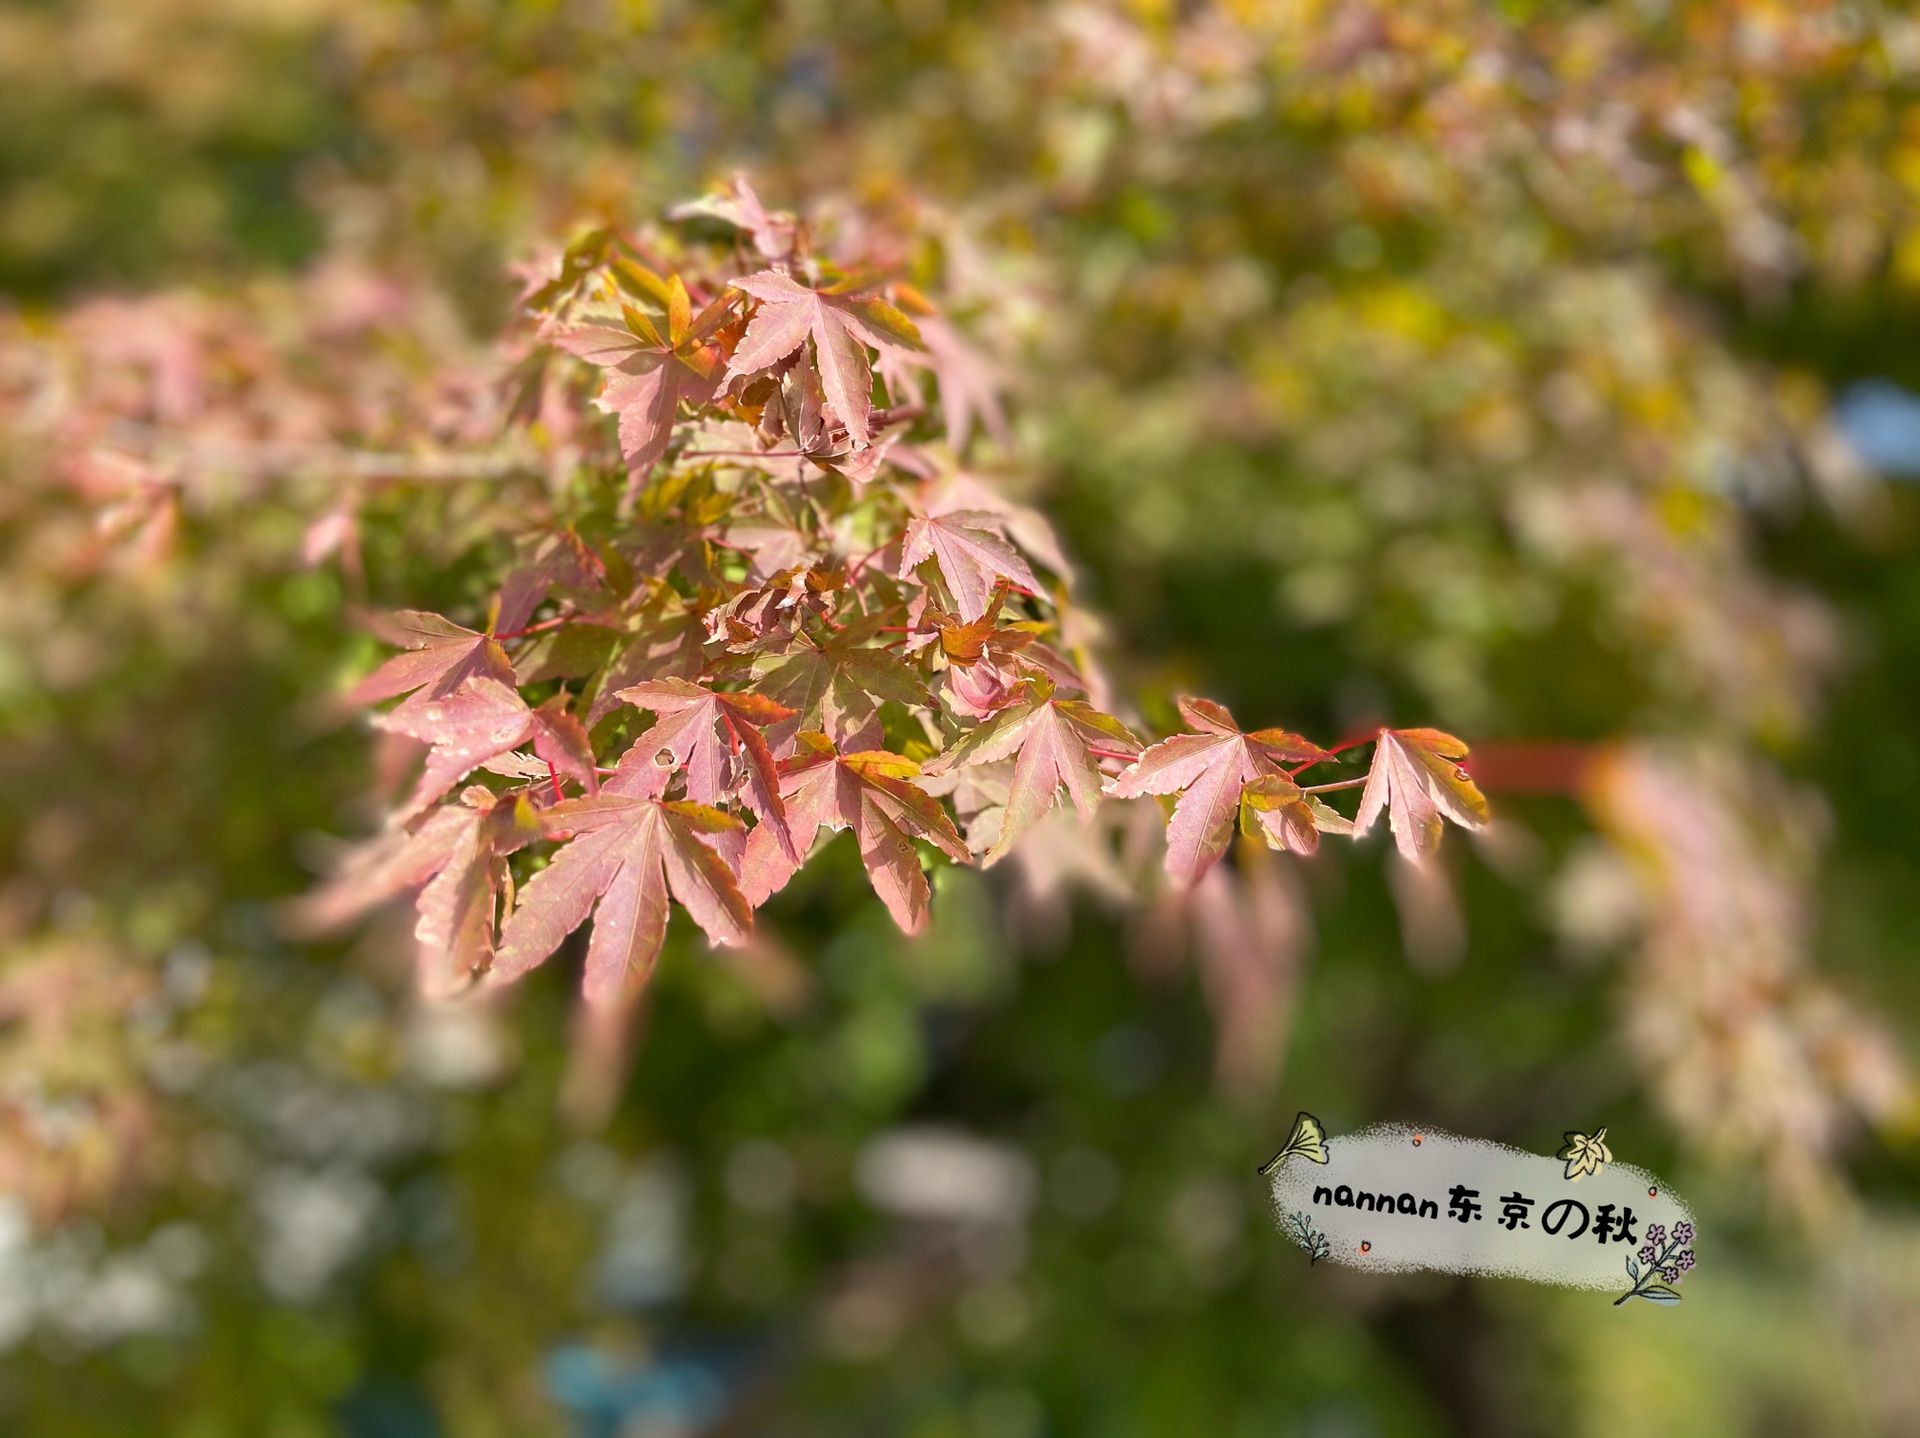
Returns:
<point x="840" y="323"/>
<point x="1416" y="778"/>
<point x="440" y="657"/>
<point x="972" y="555"/>
<point x="836" y="685"/>
<point x="1286" y="816"/>
<point x="627" y="857"/>
<point x="648" y="376"/>
<point x="1051" y="737"/>
<point x="701" y="730"/>
<point x="872" y="794"/>
<point x="1211" y="766"/>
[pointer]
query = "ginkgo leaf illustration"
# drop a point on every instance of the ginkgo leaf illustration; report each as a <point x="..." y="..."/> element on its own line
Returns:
<point x="440" y="657"/>
<point x="1052" y="738"/>
<point x="971" y="553"/>
<point x="481" y="719"/>
<point x="627" y="857"/>
<point x="873" y="795"/>
<point x="1208" y="769"/>
<point x="701" y="731"/>
<point x="1416" y="778"/>
<point x="1278" y="810"/>
<point x="841" y="327"/>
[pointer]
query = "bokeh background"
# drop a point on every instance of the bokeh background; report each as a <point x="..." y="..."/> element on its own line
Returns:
<point x="1540" y="371"/>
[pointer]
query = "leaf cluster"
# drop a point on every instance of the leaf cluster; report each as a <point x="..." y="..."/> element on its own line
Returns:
<point x="805" y="612"/>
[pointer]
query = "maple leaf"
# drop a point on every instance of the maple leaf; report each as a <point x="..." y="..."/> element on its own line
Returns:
<point x="972" y="555"/>
<point x="773" y="231"/>
<point x="666" y="644"/>
<point x="969" y="384"/>
<point x="835" y="685"/>
<point x="1211" y="766"/>
<point x="648" y="376"/>
<point x="627" y="856"/>
<point x="558" y="558"/>
<point x="561" y="742"/>
<point x="841" y="326"/>
<point x="1286" y="816"/>
<point x="441" y="657"/>
<point x="1416" y="778"/>
<point x="872" y="794"/>
<point x="1052" y="738"/>
<point x="480" y="720"/>
<point x="701" y="729"/>
<point x="455" y="860"/>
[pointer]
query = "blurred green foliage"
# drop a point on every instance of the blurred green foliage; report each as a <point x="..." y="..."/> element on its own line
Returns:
<point x="1430" y="360"/>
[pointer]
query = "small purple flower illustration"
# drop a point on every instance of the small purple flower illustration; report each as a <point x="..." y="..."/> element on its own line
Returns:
<point x="1661" y="1263"/>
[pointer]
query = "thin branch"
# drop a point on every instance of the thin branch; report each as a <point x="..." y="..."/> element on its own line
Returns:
<point x="270" y="457"/>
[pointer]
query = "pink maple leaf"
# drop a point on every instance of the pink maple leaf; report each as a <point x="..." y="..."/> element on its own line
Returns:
<point x="872" y="794"/>
<point x="701" y="731"/>
<point x="972" y="555"/>
<point x="1208" y="769"/>
<point x="441" y="657"/>
<point x="1417" y="779"/>
<point x="841" y="326"/>
<point x="627" y="857"/>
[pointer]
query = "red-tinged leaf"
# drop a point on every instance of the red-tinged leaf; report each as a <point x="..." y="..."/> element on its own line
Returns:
<point x="872" y="794"/>
<point x="841" y="327"/>
<point x="971" y="553"/>
<point x="646" y="382"/>
<point x="647" y="398"/>
<point x="559" y="558"/>
<point x="1051" y="737"/>
<point x="1417" y="779"/>
<point x="969" y="385"/>
<point x="457" y="854"/>
<point x="1276" y="744"/>
<point x="627" y="856"/>
<point x="1278" y="810"/>
<point x="1211" y="767"/>
<point x="453" y="935"/>
<point x="665" y="646"/>
<point x="383" y="868"/>
<point x="836" y="686"/>
<point x="699" y="729"/>
<point x="442" y="656"/>
<point x="560" y="741"/>
<point x="773" y="231"/>
<point x="481" y="719"/>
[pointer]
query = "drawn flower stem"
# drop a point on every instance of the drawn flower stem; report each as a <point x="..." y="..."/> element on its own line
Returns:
<point x="1647" y="1279"/>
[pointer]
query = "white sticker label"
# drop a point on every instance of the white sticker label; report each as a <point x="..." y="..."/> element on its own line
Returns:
<point x="1393" y="1197"/>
